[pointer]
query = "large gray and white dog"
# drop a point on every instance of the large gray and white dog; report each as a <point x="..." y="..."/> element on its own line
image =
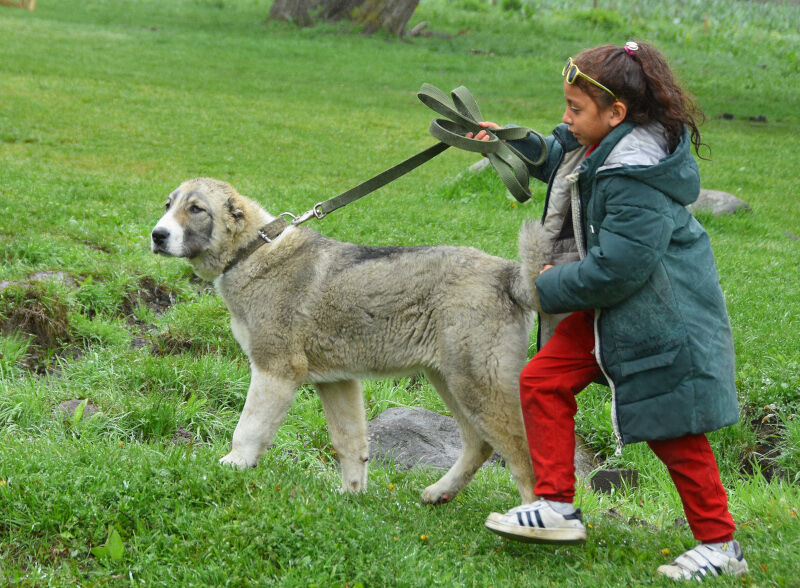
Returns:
<point x="305" y="308"/>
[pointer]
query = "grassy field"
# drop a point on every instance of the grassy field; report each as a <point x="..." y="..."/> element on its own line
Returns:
<point x="106" y="106"/>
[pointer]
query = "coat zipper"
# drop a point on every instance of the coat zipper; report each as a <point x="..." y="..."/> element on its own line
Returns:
<point x="577" y="213"/>
<point x="599" y="357"/>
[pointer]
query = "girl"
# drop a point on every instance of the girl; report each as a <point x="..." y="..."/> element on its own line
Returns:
<point x="633" y="289"/>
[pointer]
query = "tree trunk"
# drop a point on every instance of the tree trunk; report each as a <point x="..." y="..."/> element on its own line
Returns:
<point x="296" y="11"/>
<point x="390" y="15"/>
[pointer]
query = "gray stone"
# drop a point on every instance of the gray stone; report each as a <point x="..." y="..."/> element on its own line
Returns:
<point x="416" y="437"/>
<point x="607" y="480"/>
<point x="42" y="276"/>
<point x="480" y="165"/>
<point x="718" y="203"/>
<point x="62" y="277"/>
<point x="67" y="408"/>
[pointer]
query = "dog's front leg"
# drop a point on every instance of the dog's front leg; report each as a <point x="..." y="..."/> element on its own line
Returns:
<point x="268" y="401"/>
<point x="343" y="404"/>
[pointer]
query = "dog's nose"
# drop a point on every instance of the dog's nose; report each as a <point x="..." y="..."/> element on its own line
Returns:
<point x="160" y="235"/>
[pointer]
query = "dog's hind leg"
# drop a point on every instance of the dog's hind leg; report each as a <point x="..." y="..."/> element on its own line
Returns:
<point x="268" y="401"/>
<point x="343" y="403"/>
<point x="500" y="423"/>
<point x="511" y="443"/>
<point x="474" y="450"/>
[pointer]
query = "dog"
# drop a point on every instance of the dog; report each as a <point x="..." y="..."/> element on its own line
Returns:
<point x="308" y="309"/>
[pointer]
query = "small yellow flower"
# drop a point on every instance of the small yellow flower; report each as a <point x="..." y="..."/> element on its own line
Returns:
<point x="391" y="486"/>
<point x="590" y="525"/>
<point x="121" y="443"/>
<point x="665" y="551"/>
<point x="423" y="538"/>
<point x="395" y="538"/>
<point x="2" y="482"/>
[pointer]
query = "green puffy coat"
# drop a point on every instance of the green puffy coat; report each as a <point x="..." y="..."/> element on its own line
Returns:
<point x="663" y="338"/>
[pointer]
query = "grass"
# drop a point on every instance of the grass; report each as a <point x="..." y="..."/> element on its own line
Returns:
<point x="105" y="107"/>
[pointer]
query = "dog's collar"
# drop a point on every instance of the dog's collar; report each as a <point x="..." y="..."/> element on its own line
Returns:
<point x="266" y="234"/>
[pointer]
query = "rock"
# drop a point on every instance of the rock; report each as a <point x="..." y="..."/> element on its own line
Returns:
<point x="415" y="437"/>
<point x="67" y="408"/>
<point x="607" y="480"/>
<point x="62" y="277"/>
<point x="480" y="165"/>
<point x="718" y="203"/>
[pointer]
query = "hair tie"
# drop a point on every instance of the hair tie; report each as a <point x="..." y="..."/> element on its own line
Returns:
<point x="631" y="47"/>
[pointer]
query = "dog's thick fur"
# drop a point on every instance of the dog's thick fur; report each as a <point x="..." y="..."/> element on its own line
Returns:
<point x="306" y="308"/>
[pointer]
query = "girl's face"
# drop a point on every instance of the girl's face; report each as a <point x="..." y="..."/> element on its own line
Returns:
<point x="587" y="121"/>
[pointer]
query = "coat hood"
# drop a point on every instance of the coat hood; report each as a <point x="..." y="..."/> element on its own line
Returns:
<point x="641" y="152"/>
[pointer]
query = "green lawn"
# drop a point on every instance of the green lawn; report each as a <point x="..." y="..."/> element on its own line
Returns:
<point x="107" y="105"/>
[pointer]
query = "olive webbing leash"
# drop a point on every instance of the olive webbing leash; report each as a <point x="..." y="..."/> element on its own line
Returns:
<point x="462" y="117"/>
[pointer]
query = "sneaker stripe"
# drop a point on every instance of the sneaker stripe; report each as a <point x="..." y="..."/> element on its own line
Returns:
<point x="539" y="520"/>
<point x="710" y="565"/>
<point x="530" y="520"/>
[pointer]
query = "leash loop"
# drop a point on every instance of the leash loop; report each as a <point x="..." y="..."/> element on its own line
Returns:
<point x="462" y="116"/>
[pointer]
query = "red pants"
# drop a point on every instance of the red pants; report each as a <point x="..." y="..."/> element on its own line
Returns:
<point x="548" y="386"/>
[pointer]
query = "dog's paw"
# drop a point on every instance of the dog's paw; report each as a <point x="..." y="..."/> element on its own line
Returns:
<point x="352" y="487"/>
<point x="435" y="497"/>
<point x="236" y="461"/>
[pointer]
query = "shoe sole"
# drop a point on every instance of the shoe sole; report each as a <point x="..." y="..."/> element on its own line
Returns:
<point x="535" y="534"/>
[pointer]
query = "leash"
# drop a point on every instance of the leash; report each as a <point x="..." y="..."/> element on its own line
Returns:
<point x="462" y="117"/>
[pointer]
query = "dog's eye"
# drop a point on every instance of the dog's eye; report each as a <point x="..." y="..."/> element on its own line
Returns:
<point x="194" y="209"/>
<point x="166" y="206"/>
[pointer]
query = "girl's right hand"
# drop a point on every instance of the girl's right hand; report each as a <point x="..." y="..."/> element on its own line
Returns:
<point x="483" y="135"/>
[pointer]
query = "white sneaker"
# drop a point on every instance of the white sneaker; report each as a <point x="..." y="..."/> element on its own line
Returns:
<point x="707" y="560"/>
<point x="538" y="522"/>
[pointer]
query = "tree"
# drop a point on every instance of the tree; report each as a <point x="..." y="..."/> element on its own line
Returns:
<point x="390" y="15"/>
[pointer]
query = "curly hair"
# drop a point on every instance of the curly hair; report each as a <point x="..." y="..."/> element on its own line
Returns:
<point x="643" y="80"/>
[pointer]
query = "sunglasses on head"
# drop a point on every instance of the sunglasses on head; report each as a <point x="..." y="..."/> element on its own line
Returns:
<point x="571" y="73"/>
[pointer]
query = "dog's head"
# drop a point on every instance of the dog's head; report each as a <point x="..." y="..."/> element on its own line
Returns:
<point x="205" y="221"/>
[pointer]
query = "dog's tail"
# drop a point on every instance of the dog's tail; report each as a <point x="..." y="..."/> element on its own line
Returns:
<point x="532" y="253"/>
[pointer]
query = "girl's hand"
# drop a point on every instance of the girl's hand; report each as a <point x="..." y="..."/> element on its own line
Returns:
<point x="544" y="269"/>
<point x="483" y="135"/>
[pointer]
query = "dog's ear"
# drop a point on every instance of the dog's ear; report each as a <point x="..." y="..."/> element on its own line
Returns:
<point x="234" y="219"/>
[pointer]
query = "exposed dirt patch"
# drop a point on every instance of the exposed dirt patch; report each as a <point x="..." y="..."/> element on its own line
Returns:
<point x="762" y="456"/>
<point x="184" y="437"/>
<point x="157" y="297"/>
<point x="170" y="344"/>
<point x="42" y="317"/>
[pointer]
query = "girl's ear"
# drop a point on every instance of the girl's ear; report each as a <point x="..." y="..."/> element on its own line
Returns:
<point x="617" y="112"/>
